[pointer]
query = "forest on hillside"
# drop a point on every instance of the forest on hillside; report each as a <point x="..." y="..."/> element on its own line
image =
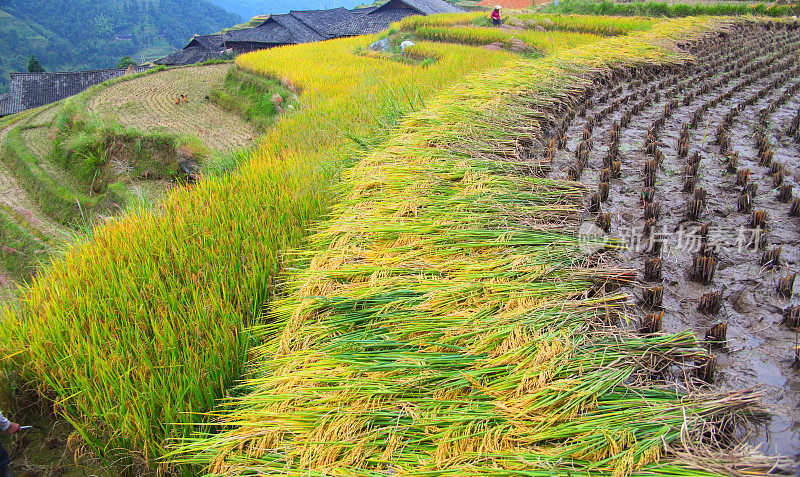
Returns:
<point x="85" y="34"/>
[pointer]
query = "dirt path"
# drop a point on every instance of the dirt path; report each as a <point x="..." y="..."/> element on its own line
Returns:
<point x="148" y="104"/>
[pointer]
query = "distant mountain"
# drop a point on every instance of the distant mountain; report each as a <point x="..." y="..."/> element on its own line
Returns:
<point x="91" y="34"/>
<point x="250" y="8"/>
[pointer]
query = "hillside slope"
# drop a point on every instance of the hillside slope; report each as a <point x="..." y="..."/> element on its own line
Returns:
<point x="82" y="34"/>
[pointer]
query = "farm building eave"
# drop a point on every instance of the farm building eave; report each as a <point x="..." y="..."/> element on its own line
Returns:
<point x="211" y="42"/>
<point x="298" y="30"/>
<point x="373" y="22"/>
<point x="305" y="26"/>
<point x="381" y="17"/>
<point x="269" y="32"/>
<point x="425" y="7"/>
<point x="189" y="56"/>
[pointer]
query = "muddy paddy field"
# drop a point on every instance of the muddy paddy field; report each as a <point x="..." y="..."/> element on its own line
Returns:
<point x="696" y="177"/>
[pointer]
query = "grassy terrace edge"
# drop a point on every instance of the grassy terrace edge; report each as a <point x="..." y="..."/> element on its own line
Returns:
<point x="447" y="325"/>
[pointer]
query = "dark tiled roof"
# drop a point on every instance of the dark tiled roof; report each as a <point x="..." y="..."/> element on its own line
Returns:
<point x="323" y="20"/>
<point x="211" y="42"/>
<point x="425" y="7"/>
<point x="31" y="90"/>
<point x="290" y="28"/>
<point x="5" y="103"/>
<point x="299" y="31"/>
<point x="372" y="22"/>
<point x="269" y="32"/>
<point x="379" y="19"/>
<point x="189" y="56"/>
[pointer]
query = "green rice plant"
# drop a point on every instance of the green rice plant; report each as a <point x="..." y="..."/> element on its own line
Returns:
<point x="447" y="323"/>
<point x="656" y="9"/>
<point x="21" y="252"/>
<point x="600" y="25"/>
<point x="465" y="35"/>
<point x="139" y="328"/>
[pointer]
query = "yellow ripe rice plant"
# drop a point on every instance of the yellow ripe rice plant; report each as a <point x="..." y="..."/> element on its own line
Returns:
<point x="438" y="20"/>
<point x="597" y="24"/>
<point x="552" y="41"/>
<point x="138" y="329"/>
<point x="544" y="42"/>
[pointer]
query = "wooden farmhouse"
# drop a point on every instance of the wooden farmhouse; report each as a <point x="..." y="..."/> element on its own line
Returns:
<point x="304" y="27"/>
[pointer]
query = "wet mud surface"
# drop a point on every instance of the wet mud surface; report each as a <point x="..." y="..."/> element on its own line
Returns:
<point x="660" y="128"/>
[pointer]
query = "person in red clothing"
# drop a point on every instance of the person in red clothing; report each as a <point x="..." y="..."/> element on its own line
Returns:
<point x="495" y="16"/>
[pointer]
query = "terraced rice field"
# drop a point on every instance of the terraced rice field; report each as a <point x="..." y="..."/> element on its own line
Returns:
<point x="471" y="307"/>
<point x="194" y="269"/>
<point x="456" y="318"/>
<point x="696" y="176"/>
<point x="148" y="104"/>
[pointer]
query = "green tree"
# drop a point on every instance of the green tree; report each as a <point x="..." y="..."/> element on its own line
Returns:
<point x="34" y="66"/>
<point x="125" y="62"/>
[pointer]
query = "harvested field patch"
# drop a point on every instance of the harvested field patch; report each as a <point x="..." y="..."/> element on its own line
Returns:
<point x="148" y="104"/>
<point x="707" y="145"/>
<point x="39" y="140"/>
